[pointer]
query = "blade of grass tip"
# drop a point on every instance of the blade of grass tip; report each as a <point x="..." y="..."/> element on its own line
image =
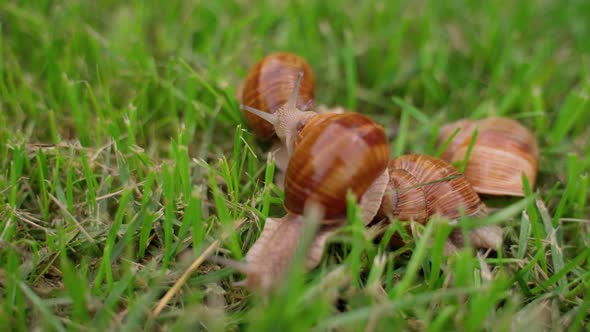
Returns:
<point x="377" y="270"/>
<point x="353" y="214"/>
<point x="90" y="183"/>
<point x="432" y="86"/>
<point x="147" y="222"/>
<point x="16" y="168"/>
<point x="402" y="133"/>
<point x="69" y="197"/>
<point x="244" y="169"/>
<point x="43" y="173"/>
<point x="234" y="115"/>
<point x="573" y="107"/>
<point x="554" y="243"/>
<point x="195" y="216"/>
<point x="463" y="268"/>
<point x="45" y="312"/>
<point x="190" y="270"/>
<point x="72" y="219"/>
<point x="440" y="237"/>
<point x="415" y="262"/>
<point x="432" y="139"/>
<point x="413" y="111"/>
<point x="268" y="180"/>
<point x="237" y="156"/>
<point x="182" y="170"/>
<point x="226" y="171"/>
<point x="224" y="214"/>
<point x="534" y="219"/>
<point x="444" y="146"/>
<point x="468" y="153"/>
<point x="573" y="169"/>
<point x="524" y="234"/>
<point x="105" y="270"/>
<point x="206" y="140"/>
<point x="169" y="214"/>
<point x="134" y="223"/>
<point x="539" y="108"/>
<point x="350" y="70"/>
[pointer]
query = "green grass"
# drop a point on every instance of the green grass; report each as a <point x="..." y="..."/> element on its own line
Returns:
<point x="124" y="155"/>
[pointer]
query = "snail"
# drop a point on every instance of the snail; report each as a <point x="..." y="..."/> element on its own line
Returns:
<point x="322" y="169"/>
<point x="276" y="95"/>
<point x="422" y="186"/>
<point x="340" y="153"/>
<point x="503" y="151"/>
<point x="277" y="100"/>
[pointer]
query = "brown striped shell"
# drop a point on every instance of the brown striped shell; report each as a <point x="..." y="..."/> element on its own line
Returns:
<point x="503" y="151"/>
<point x="338" y="153"/>
<point x="269" y="85"/>
<point x="422" y="186"/>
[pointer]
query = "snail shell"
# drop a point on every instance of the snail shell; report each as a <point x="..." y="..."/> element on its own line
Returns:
<point x="271" y="84"/>
<point x="333" y="154"/>
<point x="503" y="151"/>
<point x="338" y="153"/>
<point x="421" y="186"/>
<point x="280" y="153"/>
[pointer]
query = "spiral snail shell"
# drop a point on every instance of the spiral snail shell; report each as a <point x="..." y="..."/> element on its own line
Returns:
<point x="276" y="94"/>
<point x="338" y="154"/>
<point x="503" y="151"/>
<point x="422" y="186"/>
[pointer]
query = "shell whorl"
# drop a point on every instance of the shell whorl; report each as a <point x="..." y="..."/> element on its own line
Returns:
<point x="422" y="186"/>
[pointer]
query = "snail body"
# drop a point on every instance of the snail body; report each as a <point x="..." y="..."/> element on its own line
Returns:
<point x="276" y="94"/>
<point x="504" y="150"/>
<point x="340" y="153"/>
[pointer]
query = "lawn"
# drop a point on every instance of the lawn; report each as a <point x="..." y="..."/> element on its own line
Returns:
<point x="125" y="161"/>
